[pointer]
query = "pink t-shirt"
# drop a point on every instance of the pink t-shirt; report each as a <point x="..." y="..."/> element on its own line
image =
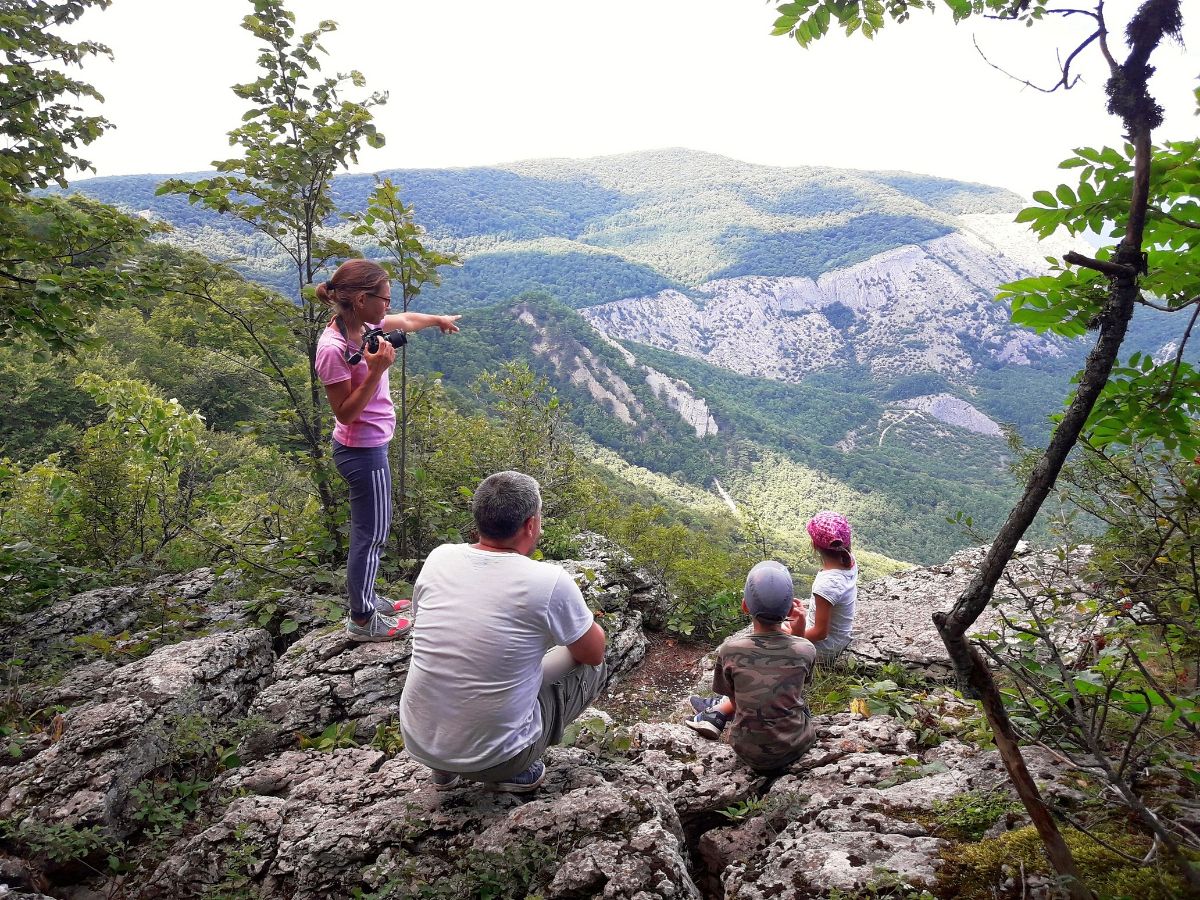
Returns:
<point x="377" y="422"/>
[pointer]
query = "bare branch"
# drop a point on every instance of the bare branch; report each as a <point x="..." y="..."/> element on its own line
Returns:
<point x="1170" y="388"/>
<point x="1079" y="826"/>
<point x="1194" y="300"/>
<point x="1113" y="65"/>
<point x="1065" y="81"/>
<point x="1090" y="13"/>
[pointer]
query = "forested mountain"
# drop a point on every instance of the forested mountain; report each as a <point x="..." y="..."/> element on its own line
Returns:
<point x="805" y="337"/>
<point x="597" y="230"/>
<point x="781" y="450"/>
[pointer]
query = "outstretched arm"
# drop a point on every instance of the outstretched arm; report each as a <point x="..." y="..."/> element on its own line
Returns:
<point x="415" y="321"/>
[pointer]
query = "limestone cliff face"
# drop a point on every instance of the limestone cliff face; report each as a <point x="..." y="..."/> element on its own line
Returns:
<point x="608" y="388"/>
<point x="924" y="308"/>
<point x="953" y="411"/>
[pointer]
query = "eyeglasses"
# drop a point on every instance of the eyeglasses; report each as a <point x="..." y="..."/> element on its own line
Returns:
<point x="387" y="300"/>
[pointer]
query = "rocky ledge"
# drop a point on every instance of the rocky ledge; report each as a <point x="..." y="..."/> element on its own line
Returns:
<point x="219" y="766"/>
<point x="893" y="618"/>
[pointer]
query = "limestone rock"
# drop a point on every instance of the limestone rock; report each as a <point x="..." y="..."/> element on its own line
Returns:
<point x="110" y="611"/>
<point x="611" y="581"/>
<point x="109" y="743"/>
<point x="856" y="804"/>
<point x="699" y="775"/>
<point x="324" y="678"/>
<point x="892" y="621"/>
<point x="308" y="825"/>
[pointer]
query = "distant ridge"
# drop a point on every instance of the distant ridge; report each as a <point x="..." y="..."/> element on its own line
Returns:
<point x="591" y="231"/>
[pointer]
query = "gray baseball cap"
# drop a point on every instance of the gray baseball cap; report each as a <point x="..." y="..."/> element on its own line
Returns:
<point x="769" y="591"/>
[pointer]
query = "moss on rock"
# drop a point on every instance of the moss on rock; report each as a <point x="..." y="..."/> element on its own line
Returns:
<point x="974" y="870"/>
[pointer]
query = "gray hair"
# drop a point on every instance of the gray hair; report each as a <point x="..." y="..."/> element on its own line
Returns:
<point x="503" y="502"/>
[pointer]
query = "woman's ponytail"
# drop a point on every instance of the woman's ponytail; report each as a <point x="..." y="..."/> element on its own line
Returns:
<point x="327" y="294"/>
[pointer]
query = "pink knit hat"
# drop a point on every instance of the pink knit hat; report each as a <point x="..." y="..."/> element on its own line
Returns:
<point x="829" y="531"/>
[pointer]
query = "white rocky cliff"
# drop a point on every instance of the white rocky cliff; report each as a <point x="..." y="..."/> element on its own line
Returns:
<point x="608" y="388"/>
<point x="926" y="308"/>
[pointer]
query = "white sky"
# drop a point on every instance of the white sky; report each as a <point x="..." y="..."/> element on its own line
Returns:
<point x="480" y="82"/>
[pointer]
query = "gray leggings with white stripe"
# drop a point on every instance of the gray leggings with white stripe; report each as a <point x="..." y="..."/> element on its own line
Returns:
<point x="367" y="472"/>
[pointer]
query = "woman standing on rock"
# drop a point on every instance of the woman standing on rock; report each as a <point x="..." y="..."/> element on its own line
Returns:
<point x="356" y="383"/>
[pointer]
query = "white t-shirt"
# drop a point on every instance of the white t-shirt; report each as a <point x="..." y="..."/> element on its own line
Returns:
<point x="840" y="588"/>
<point x="483" y="621"/>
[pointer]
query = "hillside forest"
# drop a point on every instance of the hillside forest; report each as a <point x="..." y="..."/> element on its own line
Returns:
<point x="162" y="411"/>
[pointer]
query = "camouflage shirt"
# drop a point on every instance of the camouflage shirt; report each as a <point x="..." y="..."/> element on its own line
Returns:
<point x="766" y="674"/>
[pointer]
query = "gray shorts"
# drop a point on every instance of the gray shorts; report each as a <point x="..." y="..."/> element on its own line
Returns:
<point x="567" y="690"/>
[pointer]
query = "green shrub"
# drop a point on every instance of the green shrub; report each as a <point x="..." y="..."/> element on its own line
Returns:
<point x="969" y="815"/>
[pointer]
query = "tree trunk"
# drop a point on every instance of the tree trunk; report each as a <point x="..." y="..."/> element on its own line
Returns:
<point x="1114" y="320"/>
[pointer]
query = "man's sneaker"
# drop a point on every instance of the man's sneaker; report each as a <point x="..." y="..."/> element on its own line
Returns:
<point x="445" y="781"/>
<point x="709" y="723"/>
<point x="704" y="704"/>
<point x="523" y="782"/>
<point x="391" y="607"/>
<point x="377" y="628"/>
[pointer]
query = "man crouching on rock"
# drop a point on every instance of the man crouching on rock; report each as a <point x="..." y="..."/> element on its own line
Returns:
<point x="484" y="698"/>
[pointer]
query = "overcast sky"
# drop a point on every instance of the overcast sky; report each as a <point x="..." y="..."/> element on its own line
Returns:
<point x="481" y="82"/>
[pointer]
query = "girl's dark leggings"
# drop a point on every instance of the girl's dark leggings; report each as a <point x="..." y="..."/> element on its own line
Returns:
<point x="367" y="472"/>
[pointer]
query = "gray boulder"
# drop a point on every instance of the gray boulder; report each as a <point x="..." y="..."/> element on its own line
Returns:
<point x="893" y="616"/>
<point x="859" y="803"/>
<point x="612" y="582"/>
<point x="111" y="612"/>
<point x="114" y="740"/>
<point x="308" y="825"/>
<point x="325" y="679"/>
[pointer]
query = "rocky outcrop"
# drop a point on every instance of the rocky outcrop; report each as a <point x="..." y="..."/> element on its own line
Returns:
<point x="680" y="396"/>
<point x="102" y="748"/>
<point x="652" y="811"/>
<point x="578" y="364"/>
<point x="611" y="583"/>
<point x="864" y="801"/>
<point x="954" y="411"/>
<point x="645" y="822"/>
<point x="326" y="679"/>
<point x="116" y="611"/>
<point x="320" y="825"/>
<point x="893" y="624"/>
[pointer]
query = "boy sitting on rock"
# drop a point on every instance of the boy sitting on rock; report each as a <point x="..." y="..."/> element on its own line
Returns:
<point x="760" y="677"/>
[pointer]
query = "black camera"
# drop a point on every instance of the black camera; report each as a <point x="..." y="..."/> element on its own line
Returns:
<point x="370" y="342"/>
<point x="371" y="338"/>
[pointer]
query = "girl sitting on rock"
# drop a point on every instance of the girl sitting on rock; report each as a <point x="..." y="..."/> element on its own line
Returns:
<point x="830" y="619"/>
